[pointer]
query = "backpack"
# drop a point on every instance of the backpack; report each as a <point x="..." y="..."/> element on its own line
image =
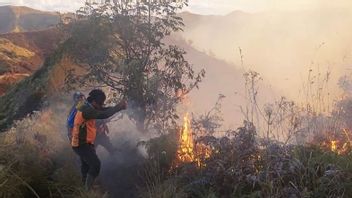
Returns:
<point x="72" y="115"/>
<point x="71" y="118"/>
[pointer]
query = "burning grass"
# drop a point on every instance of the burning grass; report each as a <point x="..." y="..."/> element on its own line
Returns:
<point x="34" y="162"/>
<point x="188" y="150"/>
<point x="243" y="165"/>
<point x="185" y="162"/>
<point x="337" y="142"/>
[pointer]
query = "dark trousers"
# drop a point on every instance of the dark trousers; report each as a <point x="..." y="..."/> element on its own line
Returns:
<point x="104" y="141"/>
<point x="90" y="163"/>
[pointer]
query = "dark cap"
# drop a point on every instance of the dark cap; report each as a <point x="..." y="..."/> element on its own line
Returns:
<point x="97" y="95"/>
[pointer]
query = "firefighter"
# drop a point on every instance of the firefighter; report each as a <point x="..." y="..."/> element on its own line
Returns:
<point x="84" y="133"/>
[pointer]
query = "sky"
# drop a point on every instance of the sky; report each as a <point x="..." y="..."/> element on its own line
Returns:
<point x="218" y="7"/>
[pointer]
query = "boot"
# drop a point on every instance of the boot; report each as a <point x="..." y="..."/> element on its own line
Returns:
<point x="89" y="182"/>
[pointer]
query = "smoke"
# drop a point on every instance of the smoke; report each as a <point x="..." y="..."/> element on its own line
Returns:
<point x="223" y="7"/>
<point x="119" y="174"/>
<point x="120" y="171"/>
<point x="281" y="44"/>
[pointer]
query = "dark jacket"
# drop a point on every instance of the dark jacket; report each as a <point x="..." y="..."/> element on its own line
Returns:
<point x="84" y="129"/>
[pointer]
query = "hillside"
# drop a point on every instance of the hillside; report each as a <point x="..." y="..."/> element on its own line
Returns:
<point x="282" y="46"/>
<point x="31" y="93"/>
<point x="23" y="53"/>
<point x="27" y="37"/>
<point x="221" y="77"/>
<point x="23" y="19"/>
<point x="186" y="113"/>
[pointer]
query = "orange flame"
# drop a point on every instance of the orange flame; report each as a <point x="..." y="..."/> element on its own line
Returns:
<point x="188" y="151"/>
<point x="185" y="152"/>
<point x="333" y="145"/>
<point x="339" y="144"/>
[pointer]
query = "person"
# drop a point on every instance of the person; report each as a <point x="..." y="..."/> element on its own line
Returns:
<point x="84" y="133"/>
<point x="78" y="100"/>
<point x="102" y="138"/>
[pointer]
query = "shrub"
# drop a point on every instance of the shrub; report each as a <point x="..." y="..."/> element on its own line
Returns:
<point x="36" y="159"/>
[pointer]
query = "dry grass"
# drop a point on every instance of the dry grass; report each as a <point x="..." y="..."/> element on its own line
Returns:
<point x="37" y="161"/>
<point x="243" y="166"/>
<point x="10" y="50"/>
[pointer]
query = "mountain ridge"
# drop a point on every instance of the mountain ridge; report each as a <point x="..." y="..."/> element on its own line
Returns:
<point x="22" y="19"/>
<point x="51" y="76"/>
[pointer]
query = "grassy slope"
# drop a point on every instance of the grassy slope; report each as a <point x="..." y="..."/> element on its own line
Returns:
<point x="27" y="95"/>
<point x="11" y="56"/>
<point x="20" y="19"/>
<point x="31" y="48"/>
<point x="26" y="39"/>
<point x="23" y="53"/>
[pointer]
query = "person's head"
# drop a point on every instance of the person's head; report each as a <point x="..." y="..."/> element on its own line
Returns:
<point x="78" y="96"/>
<point x="97" y="98"/>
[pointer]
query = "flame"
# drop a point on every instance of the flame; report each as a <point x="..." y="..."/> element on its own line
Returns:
<point x="340" y="145"/>
<point x="188" y="151"/>
<point x="333" y="145"/>
<point x="185" y="152"/>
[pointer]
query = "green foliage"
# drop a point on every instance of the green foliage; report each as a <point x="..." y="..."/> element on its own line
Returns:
<point x="126" y="49"/>
<point x="327" y="174"/>
<point x="161" y="151"/>
<point x="163" y="148"/>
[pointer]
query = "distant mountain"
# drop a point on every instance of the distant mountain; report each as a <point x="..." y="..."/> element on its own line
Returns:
<point x="35" y="52"/>
<point x="23" y="19"/>
<point x="220" y="78"/>
<point x="25" y="41"/>
<point x="27" y="37"/>
<point x="282" y="46"/>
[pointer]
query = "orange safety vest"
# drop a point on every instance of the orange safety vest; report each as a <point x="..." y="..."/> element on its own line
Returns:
<point x="84" y="131"/>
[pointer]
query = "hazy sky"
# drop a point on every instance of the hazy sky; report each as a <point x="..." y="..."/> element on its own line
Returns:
<point x="200" y="6"/>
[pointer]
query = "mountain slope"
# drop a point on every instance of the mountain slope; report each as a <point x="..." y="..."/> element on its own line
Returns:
<point x="23" y="19"/>
<point x="27" y="37"/>
<point x="282" y="46"/>
<point x="221" y="77"/>
<point x="23" y="53"/>
<point x="31" y="93"/>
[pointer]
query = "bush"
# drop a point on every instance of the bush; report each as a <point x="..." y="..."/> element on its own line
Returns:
<point x="243" y="165"/>
<point x="36" y="159"/>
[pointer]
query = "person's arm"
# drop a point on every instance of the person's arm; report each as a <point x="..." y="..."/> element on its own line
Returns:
<point x="92" y="113"/>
